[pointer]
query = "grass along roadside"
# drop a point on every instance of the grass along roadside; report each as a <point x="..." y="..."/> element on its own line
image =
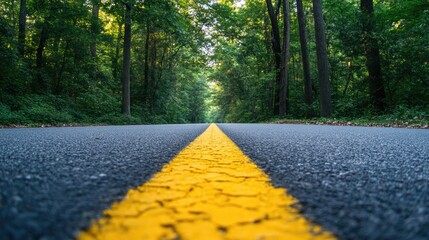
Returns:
<point x="412" y="123"/>
<point x="382" y="121"/>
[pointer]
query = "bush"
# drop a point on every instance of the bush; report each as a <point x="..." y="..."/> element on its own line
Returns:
<point x="8" y="117"/>
<point x="46" y="109"/>
<point x="402" y="112"/>
<point x="44" y="113"/>
<point x="98" y="103"/>
<point x="353" y="107"/>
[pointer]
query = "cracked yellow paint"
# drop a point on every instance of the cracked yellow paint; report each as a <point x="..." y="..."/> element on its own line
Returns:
<point x="210" y="190"/>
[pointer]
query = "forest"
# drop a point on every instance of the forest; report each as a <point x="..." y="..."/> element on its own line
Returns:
<point x="192" y="61"/>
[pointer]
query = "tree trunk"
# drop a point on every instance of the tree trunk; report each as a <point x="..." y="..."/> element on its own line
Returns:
<point x="275" y="39"/>
<point x="153" y="73"/>
<point x="284" y="78"/>
<point x="95" y="28"/>
<point x="127" y="62"/>
<point x="304" y="52"/>
<point x="322" y="61"/>
<point x="349" y="76"/>
<point x="268" y="66"/>
<point x="40" y="85"/>
<point x="57" y="87"/>
<point x="95" y="31"/>
<point x="115" y="64"/>
<point x="146" y="67"/>
<point x="372" y="53"/>
<point x="22" y="27"/>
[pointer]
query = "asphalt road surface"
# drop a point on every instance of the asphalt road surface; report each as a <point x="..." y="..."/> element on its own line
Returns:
<point x="360" y="183"/>
<point x="54" y="181"/>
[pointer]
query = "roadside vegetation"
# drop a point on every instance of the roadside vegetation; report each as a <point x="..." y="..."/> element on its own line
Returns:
<point x="379" y="121"/>
<point x="91" y="62"/>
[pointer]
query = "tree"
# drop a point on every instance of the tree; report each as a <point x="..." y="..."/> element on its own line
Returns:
<point x="72" y="56"/>
<point x="304" y="53"/>
<point x="95" y="27"/>
<point x="22" y="26"/>
<point x="146" y="67"/>
<point x="372" y="53"/>
<point x="281" y="54"/>
<point x="40" y="85"/>
<point x="322" y="61"/>
<point x="126" y="61"/>
<point x="275" y="40"/>
<point x="284" y="82"/>
<point x="95" y="31"/>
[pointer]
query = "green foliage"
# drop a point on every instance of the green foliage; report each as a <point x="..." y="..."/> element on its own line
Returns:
<point x="8" y="117"/>
<point x="43" y="113"/>
<point x="98" y="102"/>
<point x="404" y="41"/>
<point x="242" y="75"/>
<point x="44" y="109"/>
<point x="84" y="88"/>
<point x="36" y="109"/>
<point x="402" y="112"/>
<point x="13" y="70"/>
<point x="243" y="70"/>
<point x="199" y="61"/>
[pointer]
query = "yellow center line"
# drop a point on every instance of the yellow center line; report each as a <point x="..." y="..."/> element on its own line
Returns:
<point x="210" y="190"/>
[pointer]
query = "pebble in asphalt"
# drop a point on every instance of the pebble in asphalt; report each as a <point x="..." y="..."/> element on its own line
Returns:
<point x="359" y="182"/>
<point x="54" y="181"/>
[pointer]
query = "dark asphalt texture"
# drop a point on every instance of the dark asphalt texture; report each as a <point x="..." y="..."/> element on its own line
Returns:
<point x="359" y="182"/>
<point x="54" y="181"/>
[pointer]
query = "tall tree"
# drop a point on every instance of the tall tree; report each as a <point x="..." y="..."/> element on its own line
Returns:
<point x="275" y="40"/>
<point x="372" y="53"/>
<point x="95" y="31"/>
<point x="95" y="27"/>
<point x="115" y="56"/>
<point x="41" y="85"/>
<point x="322" y="61"/>
<point x="22" y="26"/>
<point x="304" y="52"/>
<point x="127" y="61"/>
<point x="284" y="81"/>
<point x="281" y="54"/>
<point x="146" y="67"/>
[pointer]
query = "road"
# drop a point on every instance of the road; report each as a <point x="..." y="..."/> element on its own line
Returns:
<point x="54" y="181"/>
<point x="359" y="183"/>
